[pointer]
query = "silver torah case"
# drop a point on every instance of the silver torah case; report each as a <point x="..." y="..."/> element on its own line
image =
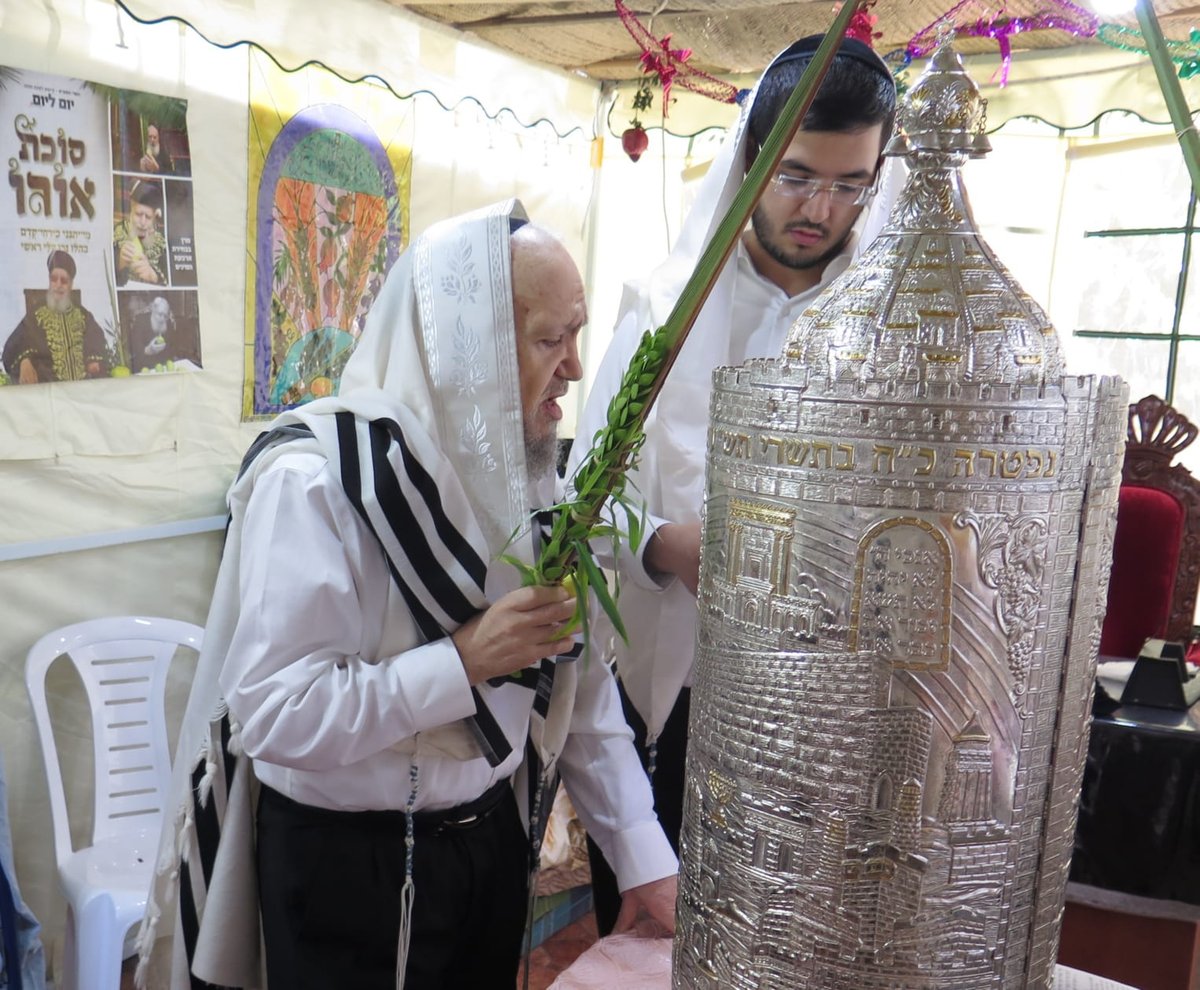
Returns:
<point x="906" y="546"/>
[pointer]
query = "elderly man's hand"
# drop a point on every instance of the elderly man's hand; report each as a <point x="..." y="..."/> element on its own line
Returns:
<point x="130" y="250"/>
<point x="519" y="629"/>
<point x="649" y="909"/>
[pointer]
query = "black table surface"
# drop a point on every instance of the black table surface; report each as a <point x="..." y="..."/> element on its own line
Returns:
<point x="1139" y="810"/>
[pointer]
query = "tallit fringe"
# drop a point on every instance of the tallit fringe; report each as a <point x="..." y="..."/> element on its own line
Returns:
<point x="535" y="858"/>
<point x="409" y="890"/>
<point x="144" y="943"/>
<point x="235" y="736"/>
<point x="651" y="754"/>
<point x="167" y="866"/>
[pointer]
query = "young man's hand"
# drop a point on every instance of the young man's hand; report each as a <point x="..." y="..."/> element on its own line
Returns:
<point x="516" y="631"/>
<point x="675" y="549"/>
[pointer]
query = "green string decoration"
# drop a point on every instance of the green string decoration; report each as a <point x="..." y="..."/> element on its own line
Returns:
<point x="1185" y="54"/>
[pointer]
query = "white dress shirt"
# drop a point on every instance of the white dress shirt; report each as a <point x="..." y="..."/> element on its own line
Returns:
<point x="661" y="619"/>
<point x="337" y="695"/>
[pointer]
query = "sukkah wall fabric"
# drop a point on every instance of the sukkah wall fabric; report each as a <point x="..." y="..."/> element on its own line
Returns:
<point x="330" y="170"/>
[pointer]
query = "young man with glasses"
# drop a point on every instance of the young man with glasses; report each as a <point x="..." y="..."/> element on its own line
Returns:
<point x="827" y="201"/>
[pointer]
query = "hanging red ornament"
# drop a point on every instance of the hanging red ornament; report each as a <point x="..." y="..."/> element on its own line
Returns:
<point x="635" y="140"/>
<point x="862" y="24"/>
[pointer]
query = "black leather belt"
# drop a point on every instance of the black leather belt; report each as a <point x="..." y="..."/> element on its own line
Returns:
<point x="461" y="816"/>
<point x="467" y="815"/>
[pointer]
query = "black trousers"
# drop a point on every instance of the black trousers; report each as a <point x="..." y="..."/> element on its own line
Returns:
<point x="667" y="785"/>
<point x="329" y="889"/>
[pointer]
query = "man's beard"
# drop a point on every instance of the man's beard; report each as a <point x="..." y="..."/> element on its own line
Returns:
<point x="767" y="238"/>
<point x="58" y="303"/>
<point x="541" y="453"/>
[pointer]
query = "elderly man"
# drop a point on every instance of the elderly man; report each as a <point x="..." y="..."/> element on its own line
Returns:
<point x="397" y="691"/>
<point x="59" y="341"/>
<point x="805" y="231"/>
<point x="139" y="248"/>
<point x="151" y="338"/>
<point x="155" y="158"/>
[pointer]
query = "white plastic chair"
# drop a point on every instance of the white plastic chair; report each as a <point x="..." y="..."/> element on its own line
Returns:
<point x="123" y="662"/>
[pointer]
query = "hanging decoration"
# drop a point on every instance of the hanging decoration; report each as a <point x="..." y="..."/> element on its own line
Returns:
<point x="670" y="66"/>
<point x="1185" y="54"/>
<point x="862" y="25"/>
<point x="898" y="60"/>
<point x="989" y="19"/>
<point x="634" y="140"/>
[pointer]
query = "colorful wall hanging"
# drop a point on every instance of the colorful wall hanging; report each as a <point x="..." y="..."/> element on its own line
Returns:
<point x="330" y="168"/>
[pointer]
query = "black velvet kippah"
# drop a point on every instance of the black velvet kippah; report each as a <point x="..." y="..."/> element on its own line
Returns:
<point x="805" y="48"/>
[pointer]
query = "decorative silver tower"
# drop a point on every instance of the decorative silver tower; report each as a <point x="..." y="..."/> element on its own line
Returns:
<point x="907" y="538"/>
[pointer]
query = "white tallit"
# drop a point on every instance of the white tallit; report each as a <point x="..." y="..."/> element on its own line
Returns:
<point x="437" y="358"/>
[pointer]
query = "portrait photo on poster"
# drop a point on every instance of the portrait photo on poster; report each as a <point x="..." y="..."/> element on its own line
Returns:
<point x="149" y="133"/>
<point x="160" y="330"/>
<point x="58" y="338"/>
<point x="139" y="245"/>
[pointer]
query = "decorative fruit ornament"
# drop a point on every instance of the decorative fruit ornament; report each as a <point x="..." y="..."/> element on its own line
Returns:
<point x="635" y="140"/>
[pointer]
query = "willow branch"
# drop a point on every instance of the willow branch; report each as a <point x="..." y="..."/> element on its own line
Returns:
<point x="601" y="476"/>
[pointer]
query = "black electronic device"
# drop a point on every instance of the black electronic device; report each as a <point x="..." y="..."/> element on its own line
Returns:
<point x="1161" y="679"/>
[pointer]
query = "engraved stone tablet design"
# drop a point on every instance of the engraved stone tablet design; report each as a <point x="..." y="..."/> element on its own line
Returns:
<point x="902" y="585"/>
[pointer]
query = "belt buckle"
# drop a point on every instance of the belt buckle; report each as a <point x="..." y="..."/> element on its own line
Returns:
<point x="463" y="822"/>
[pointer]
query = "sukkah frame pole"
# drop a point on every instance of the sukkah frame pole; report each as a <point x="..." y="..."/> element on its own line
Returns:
<point x="600" y="478"/>
<point x="1181" y="119"/>
<point x="1168" y="82"/>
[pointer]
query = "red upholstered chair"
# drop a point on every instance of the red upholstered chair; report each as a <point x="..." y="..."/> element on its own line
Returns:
<point x="1156" y="550"/>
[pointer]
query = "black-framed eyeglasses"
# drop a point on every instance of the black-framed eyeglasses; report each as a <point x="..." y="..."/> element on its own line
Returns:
<point x="842" y="193"/>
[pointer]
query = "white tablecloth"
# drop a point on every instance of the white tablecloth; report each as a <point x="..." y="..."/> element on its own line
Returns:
<point x="645" y="964"/>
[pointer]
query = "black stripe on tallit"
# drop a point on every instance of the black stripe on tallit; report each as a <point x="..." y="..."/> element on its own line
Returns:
<point x="545" y="684"/>
<point x="487" y="732"/>
<point x="526" y="677"/>
<point x="208" y="835"/>
<point x="208" y="826"/>
<point x="456" y="543"/>
<point x="492" y="742"/>
<point x="269" y="438"/>
<point x="189" y="925"/>
<point x="411" y="534"/>
<point x="351" y="475"/>
<point x="226" y="753"/>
